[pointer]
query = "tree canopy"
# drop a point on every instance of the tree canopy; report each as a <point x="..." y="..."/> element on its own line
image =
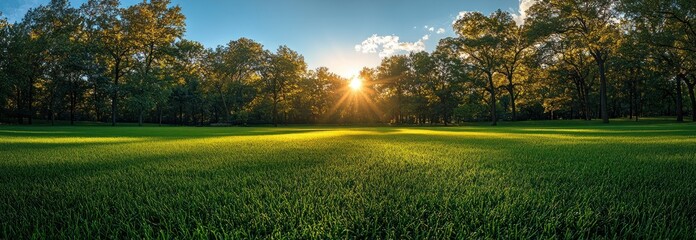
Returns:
<point x="592" y="59"/>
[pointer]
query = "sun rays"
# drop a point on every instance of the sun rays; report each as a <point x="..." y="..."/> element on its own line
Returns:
<point x="355" y="102"/>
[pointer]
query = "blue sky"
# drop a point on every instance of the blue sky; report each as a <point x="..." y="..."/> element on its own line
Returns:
<point x="341" y="35"/>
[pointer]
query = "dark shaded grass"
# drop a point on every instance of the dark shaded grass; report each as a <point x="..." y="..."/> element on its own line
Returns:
<point x="564" y="180"/>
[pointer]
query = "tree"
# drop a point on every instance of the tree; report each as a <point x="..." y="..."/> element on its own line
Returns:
<point x="482" y="43"/>
<point x="419" y="86"/>
<point x="27" y="50"/>
<point x="187" y="67"/>
<point x="113" y="35"/>
<point x="232" y="69"/>
<point x="592" y="22"/>
<point x="447" y="84"/>
<point x="633" y="57"/>
<point x="669" y="25"/>
<point x="319" y="93"/>
<point x="154" y="28"/>
<point x="66" y="57"/>
<point x="4" y="62"/>
<point x="516" y="45"/>
<point x="573" y="66"/>
<point x="391" y="81"/>
<point x="282" y="72"/>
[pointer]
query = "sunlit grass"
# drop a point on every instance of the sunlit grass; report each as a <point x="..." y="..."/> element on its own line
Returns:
<point x="525" y="180"/>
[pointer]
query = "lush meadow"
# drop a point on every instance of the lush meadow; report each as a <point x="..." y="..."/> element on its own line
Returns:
<point x="565" y="179"/>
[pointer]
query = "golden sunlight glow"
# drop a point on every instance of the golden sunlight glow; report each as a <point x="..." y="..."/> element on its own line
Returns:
<point x="355" y="84"/>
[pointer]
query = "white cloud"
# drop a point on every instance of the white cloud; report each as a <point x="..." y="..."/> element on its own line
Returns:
<point x="386" y="46"/>
<point x="431" y="29"/>
<point x="440" y="31"/>
<point x="460" y="15"/>
<point x="521" y="13"/>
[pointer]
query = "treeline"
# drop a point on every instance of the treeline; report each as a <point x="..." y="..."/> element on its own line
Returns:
<point x="568" y="59"/>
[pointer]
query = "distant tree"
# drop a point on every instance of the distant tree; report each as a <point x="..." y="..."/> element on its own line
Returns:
<point x="154" y="26"/>
<point x="668" y="25"/>
<point x="319" y="93"/>
<point x="482" y="40"/>
<point x="27" y="49"/>
<point x="232" y="69"/>
<point x="447" y="85"/>
<point x="114" y="36"/>
<point x="633" y="66"/>
<point x="569" y="59"/>
<point x="572" y="64"/>
<point x="66" y="57"/>
<point x="592" y="23"/>
<point x="5" y="85"/>
<point x="370" y="79"/>
<point x="516" y="45"/>
<point x="281" y="74"/>
<point x="419" y="87"/>
<point x="187" y="68"/>
<point x="391" y="83"/>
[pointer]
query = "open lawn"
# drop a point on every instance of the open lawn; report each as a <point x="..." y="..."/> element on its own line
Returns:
<point x="532" y="179"/>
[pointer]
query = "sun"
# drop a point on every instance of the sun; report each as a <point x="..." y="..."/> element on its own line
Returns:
<point x="355" y="84"/>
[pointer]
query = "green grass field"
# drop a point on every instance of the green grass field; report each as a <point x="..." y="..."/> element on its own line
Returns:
<point x="564" y="179"/>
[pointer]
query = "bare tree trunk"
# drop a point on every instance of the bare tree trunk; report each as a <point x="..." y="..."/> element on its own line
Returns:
<point x="491" y="90"/>
<point x="20" y="109"/>
<point x="114" y="98"/>
<point x="692" y="97"/>
<point x="97" y="109"/>
<point x="140" y="118"/>
<point x="511" y="90"/>
<point x="224" y="105"/>
<point x="275" y="108"/>
<point x="603" y="89"/>
<point x="31" y="100"/>
<point x="638" y="102"/>
<point x="73" y="101"/>
<point x="586" y="104"/>
<point x="679" y="100"/>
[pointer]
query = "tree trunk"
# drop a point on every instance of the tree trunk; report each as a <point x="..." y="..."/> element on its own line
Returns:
<point x="679" y="100"/>
<point x="114" y="97"/>
<point x="583" y="94"/>
<point x="73" y="101"/>
<point x="181" y="114"/>
<point x="224" y="105"/>
<point x="491" y="90"/>
<point x="638" y="102"/>
<point x="511" y="91"/>
<point x="30" y="114"/>
<point x="140" y="119"/>
<point x="20" y="109"/>
<point x="275" y="109"/>
<point x="692" y="97"/>
<point x="97" y="109"/>
<point x="603" y="89"/>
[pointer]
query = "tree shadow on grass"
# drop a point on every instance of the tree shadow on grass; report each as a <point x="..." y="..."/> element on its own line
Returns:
<point x="376" y="186"/>
<point x="646" y="130"/>
<point x="533" y="189"/>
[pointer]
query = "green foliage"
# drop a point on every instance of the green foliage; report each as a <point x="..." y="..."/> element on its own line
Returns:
<point x="588" y="59"/>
